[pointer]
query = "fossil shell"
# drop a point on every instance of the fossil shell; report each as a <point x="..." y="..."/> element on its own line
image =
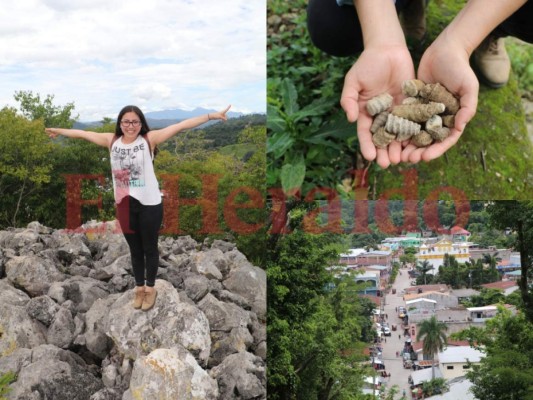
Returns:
<point x="379" y="103"/>
<point x="382" y="138"/>
<point x="434" y="122"/>
<point x="401" y="126"/>
<point x="439" y="134"/>
<point x="422" y="139"/>
<point x="379" y="121"/>
<point x="412" y="87"/>
<point x="412" y="100"/>
<point x="418" y="112"/>
<point x="438" y="93"/>
<point x="448" y="121"/>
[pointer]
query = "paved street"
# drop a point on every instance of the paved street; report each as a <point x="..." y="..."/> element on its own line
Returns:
<point x="393" y="364"/>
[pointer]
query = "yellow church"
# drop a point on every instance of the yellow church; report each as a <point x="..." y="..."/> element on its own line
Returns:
<point x="434" y="253"/>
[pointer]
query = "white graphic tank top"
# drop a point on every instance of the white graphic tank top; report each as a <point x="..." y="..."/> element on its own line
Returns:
<point x="133" y="172"/>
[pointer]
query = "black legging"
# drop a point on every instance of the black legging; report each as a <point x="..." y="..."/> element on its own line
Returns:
<point x="336" y="30"/>
<point x="140" y="225"/>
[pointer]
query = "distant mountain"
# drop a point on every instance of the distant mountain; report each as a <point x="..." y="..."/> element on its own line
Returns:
<point x="182" y="114"/>
<point x="159" y="119"/>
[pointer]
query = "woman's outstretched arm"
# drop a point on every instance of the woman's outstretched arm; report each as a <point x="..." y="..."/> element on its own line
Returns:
<point x="160" y="135"/>
<point x="101" y="139"/>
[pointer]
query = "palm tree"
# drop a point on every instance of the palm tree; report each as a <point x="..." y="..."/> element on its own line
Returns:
<point x="423" y="267"/>
<point x="492" y="260"/>
<point x="431" y="331"/>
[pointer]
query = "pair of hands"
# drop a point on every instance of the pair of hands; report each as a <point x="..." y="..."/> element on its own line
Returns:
<point x="383" y="69"/>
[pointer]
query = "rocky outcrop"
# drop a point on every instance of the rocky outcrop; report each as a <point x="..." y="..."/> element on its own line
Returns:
<point x="68" y="329"/>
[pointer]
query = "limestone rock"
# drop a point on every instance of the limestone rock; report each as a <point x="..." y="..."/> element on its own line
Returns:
<point x="33" y="273"/>
<point x="241" y="373"/>
<point x="170" y="374"/>
<point x="249" y="282"/>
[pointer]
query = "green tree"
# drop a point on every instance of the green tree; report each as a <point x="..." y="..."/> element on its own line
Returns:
<point x="28" y="165"/>
<point x="506" y="371"/>
<point x="424" y="267"/>
<point x="450" y="273"/>
<point x="486" y="297"/>
<point x="315" y="322"/>
<point x="25" y="163"/>
<point x="518" y="216"/>
<point x="33" y="108"/>
<point x="432" y="332"/>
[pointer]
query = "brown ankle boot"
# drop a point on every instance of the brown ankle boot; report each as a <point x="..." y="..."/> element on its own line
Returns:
<point x="149" y="300"/>
<point x="492" y="62"/>
<point x="138" y="299"/>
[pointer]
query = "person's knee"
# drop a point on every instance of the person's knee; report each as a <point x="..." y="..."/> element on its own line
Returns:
<point x="334" y="29"/>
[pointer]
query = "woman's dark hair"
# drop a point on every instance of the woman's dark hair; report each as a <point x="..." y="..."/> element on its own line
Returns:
<point x="144" y="123"/>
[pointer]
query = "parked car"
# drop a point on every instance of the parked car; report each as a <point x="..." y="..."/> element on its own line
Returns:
<point x="387" y="331"/>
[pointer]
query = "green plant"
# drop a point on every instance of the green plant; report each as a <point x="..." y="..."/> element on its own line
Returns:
<point x="5" y="380"/>
<point x="434" y="386"/>
<point x="300" y="145"/>
<point x="521" y="55"/>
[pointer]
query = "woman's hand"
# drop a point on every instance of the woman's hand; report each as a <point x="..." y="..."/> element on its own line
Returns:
<point x="378" y="70"/>
<point x="220" y="114"/>
<point x="447" y="63"/>
<point x="51" y="133"/>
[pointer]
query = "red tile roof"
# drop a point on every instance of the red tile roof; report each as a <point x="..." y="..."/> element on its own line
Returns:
<point x="457" y="230"/>
<point x="427" y="288"/>
<point x="375" y="299"/>
<point x="501" y="285"/>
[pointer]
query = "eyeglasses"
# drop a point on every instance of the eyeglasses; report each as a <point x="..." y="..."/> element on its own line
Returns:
<point x="127" y="123"/>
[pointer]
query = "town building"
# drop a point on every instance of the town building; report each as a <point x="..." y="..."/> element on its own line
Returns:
<point x="363" y="258"/>
<point x="402" y="242"/>
<point x="459" y="234"/>
<point x="440" y="287"/>
<point x="350" y="258"/>
<point x="482" y="314"/>
<point x="464" y="294"/>
<point x="434" y="254"/>
<point x="506" y="287"/>
<point x="454" y="360"/>
<point x="371" y="282"/>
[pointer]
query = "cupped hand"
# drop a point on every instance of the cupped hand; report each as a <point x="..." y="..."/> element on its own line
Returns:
<point x="449" y="65"/>
<point x="376" y="71"/>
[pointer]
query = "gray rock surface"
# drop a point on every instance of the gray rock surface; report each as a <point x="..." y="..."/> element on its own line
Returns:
<point x="69" y="331"/>
<point x="55" y="374"/>
<point x="170" y="374"/>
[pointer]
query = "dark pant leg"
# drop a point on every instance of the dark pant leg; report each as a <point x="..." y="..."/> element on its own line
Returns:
<point x="150" y="221"/>
<point x="336" y="29"/>
<point x="520" y="24"/>
<point x="129" y="217"/>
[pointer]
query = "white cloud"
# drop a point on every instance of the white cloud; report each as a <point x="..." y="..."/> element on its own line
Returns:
<point x="150" y="91"/>
<point x="102" y="54"/>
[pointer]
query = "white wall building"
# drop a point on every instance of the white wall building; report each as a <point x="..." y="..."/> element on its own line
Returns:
<point x="453" y="361"/>
<point x="434" y="253"/>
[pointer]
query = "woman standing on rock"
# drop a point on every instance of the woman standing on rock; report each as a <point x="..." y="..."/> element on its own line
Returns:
<point x="137" y="195"/>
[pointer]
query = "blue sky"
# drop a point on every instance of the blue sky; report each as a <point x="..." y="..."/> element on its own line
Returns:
<point x="157" y="54"/>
